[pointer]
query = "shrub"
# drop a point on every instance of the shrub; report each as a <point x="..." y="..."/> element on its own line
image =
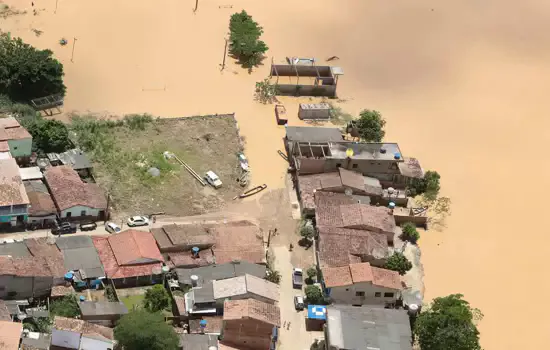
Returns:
<point x="429" y="185"/>
<point x="265" y="91"/>
<point x="410" y="233"/>
<point x="156" y="298"/>
<point x="370" y="126"/>
<point x="66" y="306"/>
<point x="398" y="262"/>
<point x="273" y="276"/>
<point x="314" y="295"/>
<point x="244" y="39"/>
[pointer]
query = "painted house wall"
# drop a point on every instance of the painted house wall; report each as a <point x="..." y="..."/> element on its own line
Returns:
<point x="95" y="344"/>
<point x="70" y="340"/>
<point x="20" y="147"/>
<point x="347" y="294"/>
<point x="76" y="211"/>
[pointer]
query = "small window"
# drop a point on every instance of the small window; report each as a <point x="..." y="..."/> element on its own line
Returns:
<point x="338" y="165"/>
<point x="388" y="295"/>
<point x="359" y="294"/>
<point x="347" y="289"/>
<point x="83" y="213"/>
<point x="69" y="214"/>
<point x="354" y="166"/>
<point x="377" y="294"/>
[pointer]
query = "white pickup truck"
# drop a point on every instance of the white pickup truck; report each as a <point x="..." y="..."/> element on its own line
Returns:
<point x="213" y="179"/>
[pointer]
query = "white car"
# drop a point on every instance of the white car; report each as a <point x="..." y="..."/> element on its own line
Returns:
<point x="112" y="227"/>
<point x="298" y="302"/>
<point x="138" y="221"/>
<point x="213" y="179"/>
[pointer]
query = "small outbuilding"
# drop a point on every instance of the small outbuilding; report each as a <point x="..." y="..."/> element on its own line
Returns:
<point x="104" y="313"/>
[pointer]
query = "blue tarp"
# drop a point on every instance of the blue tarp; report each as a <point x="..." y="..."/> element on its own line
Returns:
<point x="317" y="312"/>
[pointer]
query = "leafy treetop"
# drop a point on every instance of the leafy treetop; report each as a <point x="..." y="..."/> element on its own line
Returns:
<point x="26" y="72"/>
<point x="314" y="295"/>
<point x="142" y="330"/>
<point x="428" y="185"/>
<point x="244" y="39"/>
<point x="398" y="262"/>
<point x="449" y="323"/>
<point x="371" y="126"/>
<point x="48" y="135"/>
<point x="65" y="307"/>
<point x="156" y="298"/>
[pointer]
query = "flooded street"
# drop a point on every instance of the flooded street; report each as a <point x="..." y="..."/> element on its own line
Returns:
<point x="462" y="86"/>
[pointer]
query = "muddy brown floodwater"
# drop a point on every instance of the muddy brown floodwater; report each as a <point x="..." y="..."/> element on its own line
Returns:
<point x="462" y="84"/>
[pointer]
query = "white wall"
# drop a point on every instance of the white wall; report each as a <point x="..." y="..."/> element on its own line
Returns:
<point x="65" y="339"/>
<point x="346" y="294"/>
<point x="95" y="344"/>
<point x="77" y="210"/>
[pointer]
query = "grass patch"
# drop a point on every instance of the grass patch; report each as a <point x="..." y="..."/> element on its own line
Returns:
<point x="133" y="301"/>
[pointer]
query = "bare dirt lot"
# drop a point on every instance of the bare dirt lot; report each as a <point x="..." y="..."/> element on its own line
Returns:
<point x="204" y="143"/>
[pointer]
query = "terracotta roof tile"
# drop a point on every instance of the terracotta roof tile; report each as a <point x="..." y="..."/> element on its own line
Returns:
<point x="4" y="147"/>
<point x="10" y="334"/>
<point x="82" y="327"/>
<point x="133" y="247"/>
<point x="337" y="276"/>
<point x="238" y="242"/>
<point x="386" y="278"/>
<point x="356" y="215"/>
<point x="186" y="259"/>
<point x="113" y="269"/>
<point x="68" y="190"/>
<point x="252" y="309"/>
<point x="189" y="235"/>
<point x="361" y="272"/>
<point x="12" y="190"/>
<point x="214" y="324"/>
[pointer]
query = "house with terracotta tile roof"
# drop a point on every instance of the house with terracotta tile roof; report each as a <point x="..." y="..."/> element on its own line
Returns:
<point x="341" y="181"/>
<point x="357" y="216"/>
<point x="10" y="335"/>
<point x="14" y="138"/>
<point x="73" y="197"/>
<point x="246" y="287"/>
<point x="342" y="246"/>
<point x="361" y="284"/>
<point x="248" y="324"/>
<point x="42" y="210"/>
<point x="130" y="258"/>
<point x="14" y="201"/>
<point x="71" y="333"/>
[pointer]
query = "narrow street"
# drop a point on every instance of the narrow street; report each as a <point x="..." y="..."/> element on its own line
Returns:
<point x="295" y="336"/>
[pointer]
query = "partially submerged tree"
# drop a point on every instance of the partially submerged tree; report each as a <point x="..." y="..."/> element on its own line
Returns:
<point x="410" y="233"/>
<point x="156" y="298"/>
<point x="429" y="185"/>
<point x="449" y="323"/>
<point x="142" y="330"/>
<point x="265" y="91"/>
<point x="26" y="72"/>
<point x="244" y="39"/>
<point x="398" y="262"/>
<point x="66" y="306"/>
<point x="370" y="126"/>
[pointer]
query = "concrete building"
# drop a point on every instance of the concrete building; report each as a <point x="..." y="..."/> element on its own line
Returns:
<point x="14" y="201"/>
<point x="249" y="323"/>
<point x="357" y="216"/>
<point x="245" y="287"/>
<point x="81" y="257"/>
<point x="340" y="247"/>
<point x="15" y="138"/>
<point x="42" y="210"/>
<point x="130" y="258"/>
<point x="361" y="284"/>
<point x="70" y="333"/>
<point x="104" y="313"/>
<point x="366" y="328"/>
<point x="74" y="198"/>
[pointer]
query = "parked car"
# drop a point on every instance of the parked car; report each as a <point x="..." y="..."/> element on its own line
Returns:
<point x="213" y="179"/>
<point x="299" y="302"/>
<point x="64" y="228"/>
<point x="138" y="221"/>
<point x="297" y="278"/>
<point x="112" y="227"/>
<point x="88" y="226"/>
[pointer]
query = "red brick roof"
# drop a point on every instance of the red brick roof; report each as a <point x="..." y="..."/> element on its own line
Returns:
<point x="68" y="190"/>
<point x="238" y="242"/>
<point x="359" y="273"/>
<point x="356" y="215"/>
<point x="4" y="146"/>
<point x="115" y="270"/>
<point x="186" y="259"/>
<point x="252" y="309"/>
<point x="25" y="267"/>
<point x="133" y="247"/>
<point x="10" y="129"/>
<point x="41" y="204"/>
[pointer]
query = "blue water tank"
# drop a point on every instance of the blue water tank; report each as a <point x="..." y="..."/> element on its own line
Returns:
<point x="82" y="298"/>
<point x="397" y="155"/>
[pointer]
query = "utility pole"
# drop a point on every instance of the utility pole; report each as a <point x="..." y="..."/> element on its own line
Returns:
<point x="196" y="6"/>
<point x="72" y="54"/>
<point x="224" y="53"/>
<point x="55" y="11"/>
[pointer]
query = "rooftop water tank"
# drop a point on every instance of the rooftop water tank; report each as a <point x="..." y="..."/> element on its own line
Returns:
<point x="194" y="280"/>
<point x="397" y="155"/>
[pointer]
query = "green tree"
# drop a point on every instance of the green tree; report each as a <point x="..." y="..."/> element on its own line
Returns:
<point x="398" y="262"/>
<point x="429" y="185"/>
<point x="48" y="135"/>
<point x="66" y="306"/>
<point x="371" y="126"/>
<point x="156" y="298"/>
<point x="265" y="91"/>
<point x="142" y="330"/>
<point x="410" y="233"/>
<point x="314" y="295"/>
<point x="273" y="276"/>
<point x="307" y="230"/>
<point x="449" y="323"/>
<point x="311" y="272"/>
<point x="38" y="324"/>
<point x="26" y="72"/>
<point x="244" y="35"/>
